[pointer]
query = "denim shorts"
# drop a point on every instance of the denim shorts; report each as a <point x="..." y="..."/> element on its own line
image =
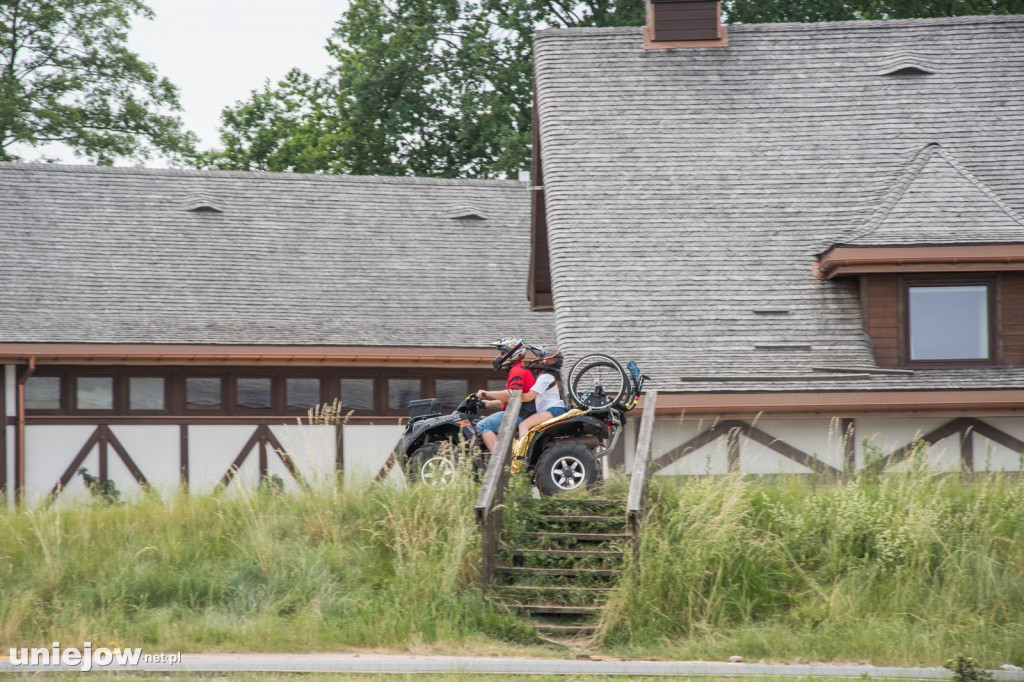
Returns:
<point x="493" y="422"/>
<point x="556" y="411"/>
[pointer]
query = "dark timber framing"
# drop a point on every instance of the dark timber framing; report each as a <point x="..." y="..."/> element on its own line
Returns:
<point x="262" y="437"/>
<point x="538" y="284"/>
<point x="183" y="454"/>
<point x="733" y="429"/>
<point x="105" y="439"/>
<point x="175" y="395"/>
<point x="3" y="432"/>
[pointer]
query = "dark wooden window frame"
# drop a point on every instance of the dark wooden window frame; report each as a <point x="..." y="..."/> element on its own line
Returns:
<point x="65" y="397"/>
<point x="277" y="397"/>
<point x="117" y="398"/>
<point x="284" y="391"/>
<point x="174" y="388"/>
<point x="178" y="402"/>
<point x="994" y="345"/>
<point x="372" y="376"/>
<point x="126" y="390"/>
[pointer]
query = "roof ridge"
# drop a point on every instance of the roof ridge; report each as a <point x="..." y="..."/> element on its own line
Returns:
<point x="802" y="26"/>
<point x="902" y="185"/>
<point x="896" y="192"/>
<point x="283" y="175"/>
<point x="1007" y="209"/>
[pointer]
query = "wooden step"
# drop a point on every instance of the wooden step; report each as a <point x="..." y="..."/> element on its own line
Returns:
<point x="567" y="630"/>
<point x="584" y="537"/>
<point x="556" y="609"/>
<point x="593" y="572"/>
<point x="578" y="553"/>
<point x="578" y="518"/>
<point x="565" y="589"/>
<point x="568" y="502"/>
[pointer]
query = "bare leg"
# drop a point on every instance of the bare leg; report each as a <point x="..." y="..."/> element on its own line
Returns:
<point x="490" y="439"/>
<point x="532" y="421"/>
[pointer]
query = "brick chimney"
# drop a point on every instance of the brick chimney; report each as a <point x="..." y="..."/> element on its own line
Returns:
<point x="684" y="23"/>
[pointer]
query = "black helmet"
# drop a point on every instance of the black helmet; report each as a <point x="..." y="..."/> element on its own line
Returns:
<point x="548" y="358"/>
<point x="510" y="349"/>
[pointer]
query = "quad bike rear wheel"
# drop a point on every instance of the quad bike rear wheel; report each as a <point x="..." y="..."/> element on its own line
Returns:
<point x="430" y="465"/>
<point x="565" y="466"/>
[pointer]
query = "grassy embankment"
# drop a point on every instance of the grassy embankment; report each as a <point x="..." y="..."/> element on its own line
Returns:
<point x="263" y="571"/>
<point x="906" y="569"/>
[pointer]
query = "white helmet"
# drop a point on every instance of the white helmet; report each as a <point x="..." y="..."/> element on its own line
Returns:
<point x="510" y="349"/>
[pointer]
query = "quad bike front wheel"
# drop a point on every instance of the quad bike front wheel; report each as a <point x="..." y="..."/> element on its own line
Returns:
<point x="565" y="466"/>
<point x="431" y="466"/>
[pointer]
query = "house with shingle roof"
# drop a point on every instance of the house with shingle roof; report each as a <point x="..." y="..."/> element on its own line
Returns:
<point x="809" y="235"/>
<point x="163" y="325"/>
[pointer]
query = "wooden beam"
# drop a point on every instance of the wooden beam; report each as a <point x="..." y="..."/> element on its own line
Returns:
<point x="240" y="459"/>
<point x="76" y="462"/>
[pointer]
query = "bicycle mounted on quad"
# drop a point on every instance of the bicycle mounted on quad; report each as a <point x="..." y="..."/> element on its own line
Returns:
<point x="560" y="454"/>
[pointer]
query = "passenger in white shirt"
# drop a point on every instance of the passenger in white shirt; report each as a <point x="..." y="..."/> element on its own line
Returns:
<point x="548" y="396"/>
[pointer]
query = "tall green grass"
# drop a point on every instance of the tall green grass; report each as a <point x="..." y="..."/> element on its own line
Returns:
<point x="322" y="570"/>
<point x="893" y="569"/>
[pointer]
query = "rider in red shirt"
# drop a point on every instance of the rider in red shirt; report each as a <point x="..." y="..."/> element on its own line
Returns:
<point x="511" y="351"/>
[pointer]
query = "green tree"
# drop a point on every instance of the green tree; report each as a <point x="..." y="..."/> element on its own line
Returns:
<point x="66" y="76"/>
<point x="424" y="87"/>
<point x="280" y="128"/>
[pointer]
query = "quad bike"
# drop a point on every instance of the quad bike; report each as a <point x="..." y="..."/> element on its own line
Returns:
<point x="560" y="454"/>
<point x="427" y="447"/>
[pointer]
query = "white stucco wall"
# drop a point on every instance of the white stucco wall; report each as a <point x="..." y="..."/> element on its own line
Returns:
<point x="822" y="439"/>
<point x="212" y="449"/>
<point x="366" y="450"/>
<point x="48" y="452"/>
<point x="991" y="456"/>
<point x="156" y="451"/>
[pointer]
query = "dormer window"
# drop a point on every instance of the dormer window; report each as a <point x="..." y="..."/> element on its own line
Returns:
<point x="949" y="321"/>
<point x="201" y="203"/>
<point x="907" y="63"/>
<point x="908" y="70"/>
<point x="468" y="213"/>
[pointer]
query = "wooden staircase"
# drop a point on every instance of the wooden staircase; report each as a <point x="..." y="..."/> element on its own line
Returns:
<point x="559" y="560"/>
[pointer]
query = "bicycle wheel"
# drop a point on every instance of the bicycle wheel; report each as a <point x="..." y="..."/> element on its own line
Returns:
<point x="600" y="383"/>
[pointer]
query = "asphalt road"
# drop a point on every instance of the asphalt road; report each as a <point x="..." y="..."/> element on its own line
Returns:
<point x="405" y="664"/>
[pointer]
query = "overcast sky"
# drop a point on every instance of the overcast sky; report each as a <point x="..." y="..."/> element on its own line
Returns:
<point x="217" y="51"/>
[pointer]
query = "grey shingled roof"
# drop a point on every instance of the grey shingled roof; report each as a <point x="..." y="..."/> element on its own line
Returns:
<point x="128" y="255"/>
<point x="688" y="190"/>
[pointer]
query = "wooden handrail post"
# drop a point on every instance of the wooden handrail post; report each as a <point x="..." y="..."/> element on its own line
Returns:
<point x="492" y="492"/>
<point x="638" y="481"/>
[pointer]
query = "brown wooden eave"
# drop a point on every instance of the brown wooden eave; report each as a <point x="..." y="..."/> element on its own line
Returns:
<point x="853" y="260"/>
<point x="208" y="354"/>
<point x="538" y="284"/>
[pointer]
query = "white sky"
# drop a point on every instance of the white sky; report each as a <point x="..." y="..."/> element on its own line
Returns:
<point x="218" y="51"/>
